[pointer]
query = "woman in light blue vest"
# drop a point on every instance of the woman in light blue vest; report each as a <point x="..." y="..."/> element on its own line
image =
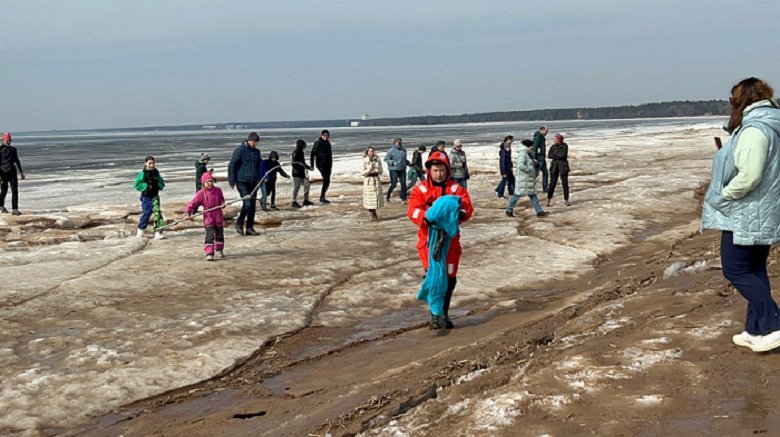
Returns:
<point x="743" y="201"/>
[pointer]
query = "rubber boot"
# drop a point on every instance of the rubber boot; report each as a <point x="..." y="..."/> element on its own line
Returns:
<point x="436" y="322"/>
<point x="451" y="283"/>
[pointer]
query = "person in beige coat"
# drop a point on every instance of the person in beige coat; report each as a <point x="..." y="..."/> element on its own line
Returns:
<point x="372" y="185"/>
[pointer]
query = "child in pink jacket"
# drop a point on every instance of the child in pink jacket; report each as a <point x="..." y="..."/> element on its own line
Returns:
<point x="213" y="203"/>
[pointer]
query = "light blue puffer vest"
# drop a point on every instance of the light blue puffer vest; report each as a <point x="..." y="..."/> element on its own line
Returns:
<point x="755" y="218"/>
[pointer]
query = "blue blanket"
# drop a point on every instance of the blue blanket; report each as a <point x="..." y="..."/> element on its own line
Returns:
<point x="442" y="219"/>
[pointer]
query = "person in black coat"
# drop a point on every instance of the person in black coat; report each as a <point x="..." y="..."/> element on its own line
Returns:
<point x="272" y="168"/>
<point x="322" y="160"/>
<point x="9" y="163"/>
<point x="300" y="174"/>
<point x="243" y="170"/>
<point x="505" y="168"/>
<point x="559" y="166"/>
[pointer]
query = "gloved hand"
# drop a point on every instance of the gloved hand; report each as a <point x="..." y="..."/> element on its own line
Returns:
<point x="462" y="215"/>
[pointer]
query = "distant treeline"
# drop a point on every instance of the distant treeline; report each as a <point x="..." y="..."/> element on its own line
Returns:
<point x="648" y="110"/>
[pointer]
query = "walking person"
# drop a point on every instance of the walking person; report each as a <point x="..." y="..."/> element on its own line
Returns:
<point x="559" y="166"/>
<point x="540" y="152"/>
<point x="213" y="202"/>
<point x="201" y="167"/>
<point x="525" y="172"/>
<point x="322" y="160"/>
<point x="459" y="165"/>
<point x="272" y="169"/>
<point x="300" y="174"/>
<point x="396" y="165"/>
<point x="505" y="165"/>
<point x="416" y="170"/>
<point x="9" y="164"/>
<point x="439" y="260"/>
<point x="150" y="182"/>
<point x="372" y="184"/>
<point x="743" y="201"/>
<point x="243" y="169"/>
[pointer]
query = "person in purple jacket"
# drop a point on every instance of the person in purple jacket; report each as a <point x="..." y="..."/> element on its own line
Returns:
<point x="213" y="202"/>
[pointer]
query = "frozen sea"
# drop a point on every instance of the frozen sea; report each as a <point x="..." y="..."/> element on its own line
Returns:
<point x="91" y="319"/>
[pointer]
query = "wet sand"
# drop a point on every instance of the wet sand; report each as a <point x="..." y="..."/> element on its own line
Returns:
<point x="565" y="325"/>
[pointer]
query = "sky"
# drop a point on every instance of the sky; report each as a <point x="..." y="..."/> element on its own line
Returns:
<point x="81" y="64"/>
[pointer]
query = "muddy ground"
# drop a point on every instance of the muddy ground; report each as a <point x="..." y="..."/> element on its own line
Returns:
<point x="640" y="346"/>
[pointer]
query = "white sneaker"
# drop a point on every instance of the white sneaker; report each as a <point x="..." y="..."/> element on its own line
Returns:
<point x="158" y="235"/>
<point x="139" y="233"/>
<point x="209" y="257"/>
<point x="220" y="254"/>
<point x="765" y="343"/>
<point x="745" y="339"/>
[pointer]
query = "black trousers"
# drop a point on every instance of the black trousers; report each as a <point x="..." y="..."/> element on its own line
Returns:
<point x="9" y="178"/>
<point x="451" y="283"/>
<point x="249" y="206"/>
<point x="325" y="172"/>
<point x="554" y="182"/>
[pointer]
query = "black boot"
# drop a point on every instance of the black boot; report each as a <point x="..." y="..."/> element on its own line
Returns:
<point x="436" y="322"/>
<point x="451" y="283"/>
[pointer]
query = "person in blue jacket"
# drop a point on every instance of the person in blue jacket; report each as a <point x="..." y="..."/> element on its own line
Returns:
<point x="243" y="170"/>
<point x="743" y="202"/>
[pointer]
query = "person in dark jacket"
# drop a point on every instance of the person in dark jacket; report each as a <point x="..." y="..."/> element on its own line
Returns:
<point x="559" y="155"/>
<point x="242" y="174"/>
<point x="505" y="168"/>
<point x="300" y="174"/>
<point x="322" y="160"/>
<point x="271" y="169"/>
<point x="441" y="146"/>
<point x="201" y="166"/>
<point x="540" y="150"/>
<point x="9" y="163"/>
<point x="416" y="171"/>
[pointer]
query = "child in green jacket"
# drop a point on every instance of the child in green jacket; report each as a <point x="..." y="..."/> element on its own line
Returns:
<point x="149" y="182"/>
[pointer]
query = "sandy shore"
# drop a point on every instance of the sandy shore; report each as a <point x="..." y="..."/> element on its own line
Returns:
<point x="567" y="325"/>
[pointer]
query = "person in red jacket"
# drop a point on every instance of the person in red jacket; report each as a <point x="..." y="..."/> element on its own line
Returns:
<point x="438" y="184"/>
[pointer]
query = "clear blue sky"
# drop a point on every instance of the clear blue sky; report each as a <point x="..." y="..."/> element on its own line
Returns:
<point x="111" y="63"/>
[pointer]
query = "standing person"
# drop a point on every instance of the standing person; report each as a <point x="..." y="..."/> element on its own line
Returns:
<point x="201" y="166"/>
<point x="322" y="160"/>
<point x="540" y="152"/>
<point x="300" y="173"/>
<point x="440" y="146"/>
<point x="150" y="182"/>
<point x="437" y="185"/>
<point x="505" y="165"/>
<point x="525" y="172"/>
<point x="372" y="184"/>
<point x="9" y="164"/>
<point x="460" y="168"/>
<point x="272" y="168"/>
<point x="743" y="201"/>
<point x="213" y="202"/>
<point x="559" y="166"/>
<point x="396" y="165"/>
<point x="243" y="169"/>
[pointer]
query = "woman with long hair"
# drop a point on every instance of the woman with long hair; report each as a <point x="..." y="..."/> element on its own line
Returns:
<point x="372" y="185"/>
<point x="743" y="201"/>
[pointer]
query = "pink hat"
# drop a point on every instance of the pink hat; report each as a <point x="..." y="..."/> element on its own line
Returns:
<point x="559" y="137"/>
<point x="206" y="176"/>
<point x="7" y="136"/>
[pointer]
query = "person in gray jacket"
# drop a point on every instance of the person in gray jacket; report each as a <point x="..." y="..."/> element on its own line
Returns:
<point x="460" y="168"/>
<point x="396" y="165"/>
<point x="743" y="202"/>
